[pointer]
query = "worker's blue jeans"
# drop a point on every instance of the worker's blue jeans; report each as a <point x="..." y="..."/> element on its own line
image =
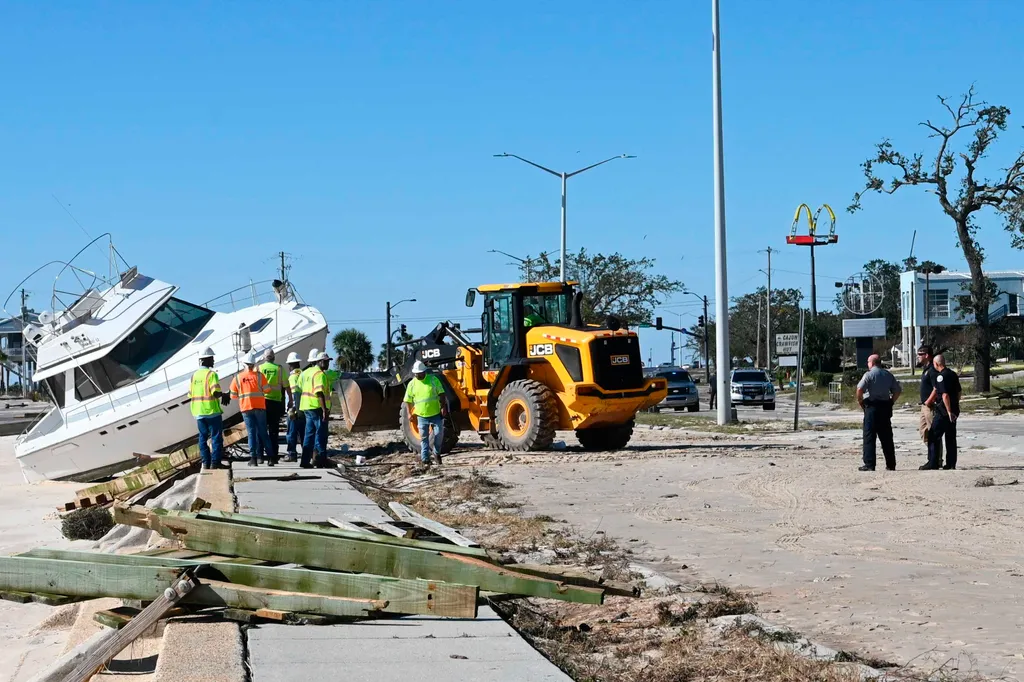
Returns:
<point x="311" y="440"/>
<point x="296" y="432"/>
<point x="259" y="439"/>
<point x="211" y="428"/>
<point x="424" y="424"/>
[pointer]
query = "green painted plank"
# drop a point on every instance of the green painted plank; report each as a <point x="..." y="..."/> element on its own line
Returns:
<point x="403" y="596"/>
<point x="79" y="578"/>
<point x="263" y="522"/>
<point x="344" y="554"/>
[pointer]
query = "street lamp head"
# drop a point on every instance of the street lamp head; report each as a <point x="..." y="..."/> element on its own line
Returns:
<point x="501" y="155"/>
<point x="628" y="156"/>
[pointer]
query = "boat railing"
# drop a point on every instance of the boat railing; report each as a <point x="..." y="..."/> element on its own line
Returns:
<point x="253" y="293"/>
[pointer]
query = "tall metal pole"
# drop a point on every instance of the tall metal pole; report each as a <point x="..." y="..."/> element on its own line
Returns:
<point x="768" y="317"/>
<point x="722" y="366"/>
<point x="757" y="352"/>
<point x="707" y="369"/>
<point x="283" y="278"/>
<point x="799" y="373"/>
<point x="814" y="286"/>
<point x="387" y="342"/>
<point x="561" y="268"/>
<point x="927" y="308"/>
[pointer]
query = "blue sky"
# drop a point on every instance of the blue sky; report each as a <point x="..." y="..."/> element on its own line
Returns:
<point x="359" y="136"/>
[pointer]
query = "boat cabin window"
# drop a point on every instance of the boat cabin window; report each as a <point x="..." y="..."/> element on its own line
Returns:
<point x="55" y="386"/>
<point x="101" y="376"/>
<point x="169" y="330"/>
<point x="259" y="325"/>
<point x="202" y="337"/>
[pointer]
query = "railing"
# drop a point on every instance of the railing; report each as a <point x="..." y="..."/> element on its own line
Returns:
<point x="253" y="293"/>
<point x="999" y="313"/>
<point x="835" y="392"/>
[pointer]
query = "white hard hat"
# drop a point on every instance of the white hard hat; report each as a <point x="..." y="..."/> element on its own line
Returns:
<point x="323" y="356"/>
<point x="293" y="357"/>
<point x="314" y="353"/>
<point x="418" y="367"/>
<point x="207" y="353"/>
<point x="252" y="358"/>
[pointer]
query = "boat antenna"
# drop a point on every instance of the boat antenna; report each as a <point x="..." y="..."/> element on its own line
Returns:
<point x="109" y="256"/>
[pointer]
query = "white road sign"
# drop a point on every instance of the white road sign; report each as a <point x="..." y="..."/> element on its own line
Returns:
<point x="786" y="344"/>
<point x="864" y="326"/>
<point x="787" y="361"/>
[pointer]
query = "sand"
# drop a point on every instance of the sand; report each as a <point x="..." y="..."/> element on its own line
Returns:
<point x="911" y="566"/>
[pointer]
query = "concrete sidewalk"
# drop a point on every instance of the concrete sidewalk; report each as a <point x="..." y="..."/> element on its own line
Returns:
<point x="399" y="650"/>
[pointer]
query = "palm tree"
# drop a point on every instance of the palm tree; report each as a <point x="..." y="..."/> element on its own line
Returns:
<point x="353" y="349"/>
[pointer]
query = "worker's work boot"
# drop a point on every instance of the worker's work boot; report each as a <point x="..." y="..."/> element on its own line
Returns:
<point x="253" y="462"/>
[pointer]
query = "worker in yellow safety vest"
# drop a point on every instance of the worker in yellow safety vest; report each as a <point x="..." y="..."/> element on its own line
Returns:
<point x="250" y="389"/>
<point x="425" y="402"/>
<point x="274" y="374"/>
<point x="296" y="419"/>
<point x="313" y="403"/>
<point x="206" y="397"/>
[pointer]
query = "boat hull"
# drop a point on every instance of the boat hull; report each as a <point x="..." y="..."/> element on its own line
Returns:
<point x="110" y="447"/>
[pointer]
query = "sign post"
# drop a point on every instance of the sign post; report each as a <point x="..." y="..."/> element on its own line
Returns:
<point x="799" y="371"/>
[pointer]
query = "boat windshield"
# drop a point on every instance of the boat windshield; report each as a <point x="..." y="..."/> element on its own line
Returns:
<point x="148" y="347"/>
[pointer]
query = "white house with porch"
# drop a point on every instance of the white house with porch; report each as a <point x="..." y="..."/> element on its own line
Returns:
<point x="940" y="293"/>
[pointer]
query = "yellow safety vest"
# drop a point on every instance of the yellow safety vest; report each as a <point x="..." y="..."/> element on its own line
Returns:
<point x="312" y="381"/>
<point x="272" y="373"/>
<point x="330" y="376"/>
<point x="424" y="394"/>
<point x="293" y="381"/>
<point x="200" y="392"/>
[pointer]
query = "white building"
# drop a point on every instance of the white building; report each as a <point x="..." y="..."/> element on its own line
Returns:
<point x="941" y="292"/>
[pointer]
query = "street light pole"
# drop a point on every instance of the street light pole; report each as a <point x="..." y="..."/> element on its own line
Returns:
<point x="387" y="342"/>
<point x="721" y="269"/>
<point x="564" y="177"/>
<point x="525" y="262"/>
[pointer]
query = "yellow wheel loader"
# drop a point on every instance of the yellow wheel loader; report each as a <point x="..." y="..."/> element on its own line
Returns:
<point x="537" y="368"/>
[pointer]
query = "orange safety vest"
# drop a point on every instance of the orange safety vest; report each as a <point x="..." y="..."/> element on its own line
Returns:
<point x="250" y="389"/>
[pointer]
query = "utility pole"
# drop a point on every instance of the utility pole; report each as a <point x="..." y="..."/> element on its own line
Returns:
<point x="814" y="288"/>
<point x="721" y="269"/>
<point x="387" y="330"/>
<point x="23" y="365"/>
<point x="672" y="351"/>
<point x="707" y="369"/>
<point x="284" y="277"/>
<point x="768" y="315"/>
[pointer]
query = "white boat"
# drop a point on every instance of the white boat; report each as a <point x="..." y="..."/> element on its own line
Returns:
<point x="117" y="364"/>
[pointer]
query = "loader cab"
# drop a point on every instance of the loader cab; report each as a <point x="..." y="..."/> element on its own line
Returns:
<point x="511" y="309"/>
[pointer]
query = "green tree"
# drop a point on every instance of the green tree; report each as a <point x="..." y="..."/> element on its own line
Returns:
<point x="743" y="323"/>
<point x="954" y="178"/>
<point x="611" y="284"/>
<point x="353" y="350"/>
<point x="823" y="342"/>
<point x="398" y="355"/>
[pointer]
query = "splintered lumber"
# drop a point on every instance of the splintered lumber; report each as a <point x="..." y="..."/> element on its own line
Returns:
<point x="356" y="554"/>
<point x="577" y="576"/>
<point x="168" y="597"/>
<point x="345" y="525"/>
<point x="420" y="597"/>
<point x="147" y="475"/>
<point x="120" y="616"/>
<point x="37" y="598"/>
<point x="408" y="515"/>
<point x="147" y="583"/>
<point x="383" y="526"/>
<point x="298" y="526"/>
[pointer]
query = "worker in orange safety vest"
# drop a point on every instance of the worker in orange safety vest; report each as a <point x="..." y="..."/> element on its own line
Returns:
<point x="250" y="389"/>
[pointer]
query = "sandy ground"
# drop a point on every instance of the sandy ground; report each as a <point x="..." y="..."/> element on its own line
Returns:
<point x="909" y="566"/>
<point x="28" y="518"/>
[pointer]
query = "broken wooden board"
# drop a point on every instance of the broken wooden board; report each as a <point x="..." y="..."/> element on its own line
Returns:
<point x="147" y="583"/>
<point x="351" y="527"/>
<point x="411" y="597"/>
<point x="577" y="576"/>
<point x="298" y="526"/>
<point x="356" y="554"/>
<point x="164" y="602"/>
<point x="409" y="515"/>
<point x="147" y="475"/>
<point x="282" y="617"/>
<point x="120" y="616"/>
<point x="37" y="598"/>
<point x="383" y="526"/>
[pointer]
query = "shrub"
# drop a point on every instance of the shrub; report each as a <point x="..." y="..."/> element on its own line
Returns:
<point x="851" y="376"/>
<point x="90" y="523"/>
<point x="823" y="379"/>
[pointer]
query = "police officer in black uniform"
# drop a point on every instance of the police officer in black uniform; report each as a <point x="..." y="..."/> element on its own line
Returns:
<point x="946" y="398"/>
<point x="877" y="390"/>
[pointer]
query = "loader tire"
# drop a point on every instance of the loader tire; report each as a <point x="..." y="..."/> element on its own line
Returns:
<point x="491" y="442"/>
<point x="527" y="416"/>
<point x="411" y="433"/>
<point x="606" y="437"/>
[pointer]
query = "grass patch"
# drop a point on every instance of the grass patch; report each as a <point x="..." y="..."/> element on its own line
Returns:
<point x="742" y="428"/>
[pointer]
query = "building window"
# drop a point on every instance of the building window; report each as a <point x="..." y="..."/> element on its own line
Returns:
<point x="1014" y="305"/>
<point x="938" y="303"/>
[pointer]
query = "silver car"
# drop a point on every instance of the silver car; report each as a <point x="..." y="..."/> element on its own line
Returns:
<point x="682" y="392"/>
<point x="752" y="387"/>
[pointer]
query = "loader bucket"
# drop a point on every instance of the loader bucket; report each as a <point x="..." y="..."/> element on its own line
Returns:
<point x="370" y="402"/>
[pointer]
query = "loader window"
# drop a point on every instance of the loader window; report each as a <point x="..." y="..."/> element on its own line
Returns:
<point x="550" y="309"/>
<point x="499" y="330"/>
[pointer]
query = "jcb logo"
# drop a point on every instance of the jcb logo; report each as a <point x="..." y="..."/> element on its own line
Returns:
<point x="431" y="353"/>
<point x="620" y="359"/>
<point x="542" y="349"/>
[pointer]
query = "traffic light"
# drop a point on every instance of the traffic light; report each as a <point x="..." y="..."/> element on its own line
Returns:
<point x="700" y="320"/>
<point x="657" y="323"/>
<point x="402" y="331"/>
